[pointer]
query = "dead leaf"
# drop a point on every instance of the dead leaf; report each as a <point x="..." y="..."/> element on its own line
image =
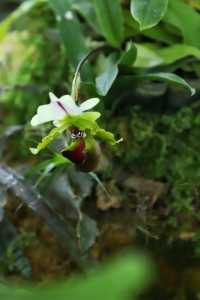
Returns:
<point x="110" y="199"/>
<point x="149" y="189"/>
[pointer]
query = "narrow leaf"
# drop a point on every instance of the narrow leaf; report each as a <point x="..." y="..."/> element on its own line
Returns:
<point x="148" y="55"/>
<point x="86" y="9"/>
<point x="169" y="77"/>
<point x="129" y="274"/>
<point x="70" y="30"/>
<point x="110" y="19"/>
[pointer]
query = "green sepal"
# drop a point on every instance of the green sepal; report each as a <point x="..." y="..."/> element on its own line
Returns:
<point x="47" y="166"/>
<point x="89" y="142"/>
<point x="86" y="122"/>
<point x="107" y="136"/>
<point x="53" y="134"/>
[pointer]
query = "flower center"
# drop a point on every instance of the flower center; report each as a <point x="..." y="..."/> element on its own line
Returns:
<point x="77" y="133"/>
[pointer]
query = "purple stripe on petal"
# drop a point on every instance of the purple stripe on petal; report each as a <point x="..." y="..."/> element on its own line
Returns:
<point x="62" y="107"/>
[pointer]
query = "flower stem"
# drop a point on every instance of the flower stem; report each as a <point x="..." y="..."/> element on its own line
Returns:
<point x="77" y="78"/>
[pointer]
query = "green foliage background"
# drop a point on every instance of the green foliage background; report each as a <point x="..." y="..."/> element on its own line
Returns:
<point x="145" y="71"/>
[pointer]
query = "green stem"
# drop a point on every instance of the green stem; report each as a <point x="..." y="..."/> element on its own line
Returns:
<point x="77" y="80"/>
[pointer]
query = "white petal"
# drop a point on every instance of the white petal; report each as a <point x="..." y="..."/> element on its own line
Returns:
<point x="53" y="97"/>
<point x="88" y="104"/>
<point x="69" y="105"/>
<point x="46" y="113"/>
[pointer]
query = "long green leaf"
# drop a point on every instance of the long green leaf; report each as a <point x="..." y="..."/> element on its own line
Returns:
<point x="148" y="13"/>
<point x="149" y="55"/>
<point x="186" y="19"/>
<point x="70" y="30"/>
<point x="168" y="77"/>
<point x="110" y="19"/>
<point x="86" y="9"/>
<point x="178" y="51"/>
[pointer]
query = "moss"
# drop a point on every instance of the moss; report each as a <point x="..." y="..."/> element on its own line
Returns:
<point x="34" y="64"/>
<point x="166" y="148"/>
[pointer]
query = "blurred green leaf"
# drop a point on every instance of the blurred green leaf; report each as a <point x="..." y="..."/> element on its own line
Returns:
<point x="186" y="19"/>
<point x="149" y="55"/>
<point x="24" y="8"/>
<point x="159" y="33"/>
<point x="86" y="9"/>
<point x="105" y="80"/>
<point x="168" y="77"/>
<point x="178" y="51"/>
<point x="5" y="26"/>
<point x="118" y="280"/>
<point x="110" y="18"/>
<point x="148" y="13"/>
<point x="70" y="30"/>
<point x="129" y="55"/>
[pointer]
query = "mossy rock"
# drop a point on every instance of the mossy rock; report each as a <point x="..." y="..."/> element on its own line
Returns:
<point x="165" y="147"/>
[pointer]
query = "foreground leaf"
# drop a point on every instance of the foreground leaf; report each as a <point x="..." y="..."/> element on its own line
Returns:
<point x="64" y="226"/>
<point x="87" y="10"/>
<point x="148" y="13"/>
<point x="133" y="272"/>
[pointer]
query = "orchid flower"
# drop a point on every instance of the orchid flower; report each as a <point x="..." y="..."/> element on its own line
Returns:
<point x="58" y="108"/>
<point x="67" y="115"/>
<point x="83" y="150"/>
